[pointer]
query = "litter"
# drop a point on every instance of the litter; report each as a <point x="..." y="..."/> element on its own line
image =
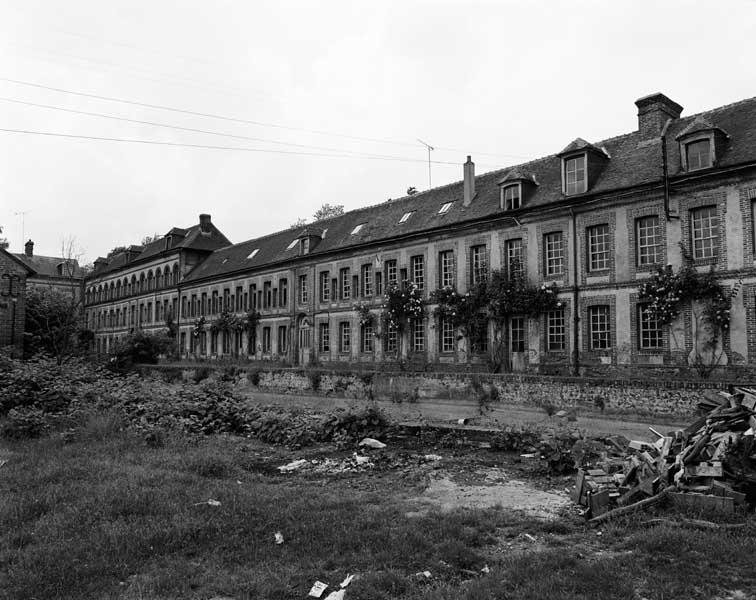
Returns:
<point x="210" y="502"/>
<point x="279" y="537"/>
<point x="293" y="466"/>
<point x="432" y="457"/>
<point x="337" y="595"/>
<point x="485" y="569"/>
<point x="361" y="460"/>
<point x="2" y="462"/>
<point x="317" y="589"/>
<point x="371" y="443"/>
<point x="461" y="421"/>
<point x="347" y="581"/>
<point x="426" y="574"/>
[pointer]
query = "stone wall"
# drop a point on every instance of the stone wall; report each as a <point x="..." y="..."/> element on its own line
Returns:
<point x="673" y="399"/>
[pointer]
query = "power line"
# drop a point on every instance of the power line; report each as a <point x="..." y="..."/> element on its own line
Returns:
<point x="233" y="119"/>
<point x="210" y="147"/>
<point x="191" y="129"/>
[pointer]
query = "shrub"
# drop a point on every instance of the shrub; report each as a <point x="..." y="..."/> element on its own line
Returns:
<point x="24" y="423"/>
<point x="138" y="348"/>
<point x="201" y="373"/>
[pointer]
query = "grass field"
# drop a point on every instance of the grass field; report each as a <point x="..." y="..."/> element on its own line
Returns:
<point x="106" y="515"/>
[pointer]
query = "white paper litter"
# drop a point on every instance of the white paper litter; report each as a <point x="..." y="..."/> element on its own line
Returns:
<point x="371" y="443"/>
<point x="432" y="457"/>
<point x="347" y="581"/>
<point x="279" y="537"/>
<point x="337" y="595"/>
<point x="293" y="466"/>
<point x="317" y="589"/>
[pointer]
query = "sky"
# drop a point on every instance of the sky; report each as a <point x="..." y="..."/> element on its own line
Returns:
<point x="297" y="104"/>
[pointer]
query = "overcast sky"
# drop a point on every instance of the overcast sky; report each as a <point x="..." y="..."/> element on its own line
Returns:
<point x="320" y="85"/>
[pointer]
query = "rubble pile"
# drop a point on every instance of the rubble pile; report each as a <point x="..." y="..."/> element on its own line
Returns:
<point x="709" y="465"/>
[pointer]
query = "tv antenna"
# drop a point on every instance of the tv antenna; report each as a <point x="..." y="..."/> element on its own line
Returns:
<point x="23" y="215"/>
<point x="429" y="147"/>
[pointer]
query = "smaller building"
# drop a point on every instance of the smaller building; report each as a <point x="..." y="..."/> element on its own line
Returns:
<point x="53" y="272"/>
<point x="13" y="278"/>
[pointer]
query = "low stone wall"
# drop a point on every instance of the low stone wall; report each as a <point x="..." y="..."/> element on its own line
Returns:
<point x="674" y="399"/>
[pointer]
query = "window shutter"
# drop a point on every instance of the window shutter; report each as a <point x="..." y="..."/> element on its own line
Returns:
<point x="470" y="268"/>
<point x="438" y="271"/>
<point x="453" y="268"/>
<point x="355" y="286"/>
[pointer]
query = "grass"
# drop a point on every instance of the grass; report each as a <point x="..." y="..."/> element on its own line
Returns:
<point x="107" y="515"/>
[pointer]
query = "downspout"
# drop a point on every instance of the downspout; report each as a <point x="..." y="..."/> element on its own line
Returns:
<point x="575" y="297"/>
<point x="665" y="170"/>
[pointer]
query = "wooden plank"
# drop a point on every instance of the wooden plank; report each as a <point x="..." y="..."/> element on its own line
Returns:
<point x="720" y="488"/>
<point x="703" y="502"/>
<point x="577" y="493"/>
<point x="599" y="503"/>
<point x="713" y="469"/>
<point x="626" y="510"/>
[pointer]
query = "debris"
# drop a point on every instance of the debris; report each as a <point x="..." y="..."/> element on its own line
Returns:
<point x="347" y="581"/>
<point x="529" y="537"/>
<point x="2" y="462"/>
<point x="210" y="502"/>
<point x="361" y="460"/>
<point x="426" y="574"/>
<point x="371" y="443"/>
<point x="279" y="537"/>
<point x="293" y="466"/>
<point x="461" y="421"/>
<point x="432" y="457"/>
<point x="337" y="595"/>
<point x="317" y="589"/>
<point x="694" y="523"/>
<point x="485" y="569"/>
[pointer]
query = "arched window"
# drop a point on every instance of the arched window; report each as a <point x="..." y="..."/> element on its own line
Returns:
<point x="112" y="290"/>
<point x="141" y="283"/>
<point x="158" y="279"/>
<point x="175" y="274"/>
<point x="99" y="294"/>
<point x="133" y="286"/>
<point x="150" y="281"/>
<point x="118" y="289"/>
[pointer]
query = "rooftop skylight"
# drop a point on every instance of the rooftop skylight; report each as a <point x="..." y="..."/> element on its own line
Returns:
<point x="293" y="243"/>
<point x="252" y="254"/>
<point x="406" y="216"/>
<point x="357" y="229"/>
<point x="445" y="208"/>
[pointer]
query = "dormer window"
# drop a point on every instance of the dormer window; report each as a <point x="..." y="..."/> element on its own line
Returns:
<point x="574" y="175"/>
<point x="445" y="208"/>
<point x="698" y="154"/>
<point x="406" y="216"/>
<point x="357" y="229"/>
<point x="510" y="197"/>
<point x="305" y="246"/>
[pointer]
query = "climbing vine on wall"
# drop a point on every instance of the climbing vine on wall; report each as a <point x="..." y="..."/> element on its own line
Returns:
<point x="401" y="304"/>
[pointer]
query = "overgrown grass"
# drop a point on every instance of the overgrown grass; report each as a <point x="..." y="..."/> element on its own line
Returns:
<point x="103" y="514"/>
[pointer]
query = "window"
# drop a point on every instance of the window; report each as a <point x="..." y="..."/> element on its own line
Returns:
<point x="445" y="208"/>
<point x="447" y="336"/>
<point x="598" y="247"/>
<point x="283" y="286"/>
<point x="193" y="306"/>
<point x="357" y="229"/>
<point x="698" y="155"/>
<point x="391" y="338"/>
<point x="266" y="339"/>
<point x="324" y="338"/>
<point x="417" y="264"/>
<point x="213" y="342"/>
<point x="239" y="299"/>
<point x="305" y="246"/>
<point x="391" y="272"/>
<point x="649" y="330"/>
<point x="254" y="252"/>
<point x="267" y="295"/>
<point x="203" y="304"/>
<point x="510" y="197"/>
<point x="556" y="335"/>
<point x="325" y="287"/>
<point x="345" y="336"/>
<point x="367" y="280"/>
<point x="303" y="289"/>
<point x="705" y="225"/>
<point x="574" y="175"/>
<point x="345" y="284"/>
<point x="418" y="335"/>
<point x="553" y="252"/>
<point x="282" y="338"/>
<point x="406" y="216"/>
<point x="513" y="256"/>
<point x="598" y="327"/>
<point x="517" y="334"/>
<point x="478" y="264"/>
<point x="648" y="236"/>
<point x="446" y="268"/>
<point x="378" y="284"/>
<point x="368" y="342"/>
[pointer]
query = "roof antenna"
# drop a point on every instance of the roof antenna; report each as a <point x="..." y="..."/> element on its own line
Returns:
<point x="23" y="215"/>
<point x="429" y="160"/>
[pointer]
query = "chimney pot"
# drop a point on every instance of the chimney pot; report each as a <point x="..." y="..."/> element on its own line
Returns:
<point x="653" y="112"/>
<point x="29" y="248"/>
<point x="204" y="221"/>
<point x="469" y="181"/>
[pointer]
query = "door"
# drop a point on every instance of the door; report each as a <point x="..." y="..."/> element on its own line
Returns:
<point x="517" y="352"/>
<point x="303" y="345"/>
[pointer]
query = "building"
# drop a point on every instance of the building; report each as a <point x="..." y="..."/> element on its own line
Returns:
<point x="596" y="219"/>
<point x="61" y="274"/>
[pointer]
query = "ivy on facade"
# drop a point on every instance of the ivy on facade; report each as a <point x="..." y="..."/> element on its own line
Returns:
<point x="366" y="317"/>
<point x="199" y="327"/>
<point x="402" y="304"/>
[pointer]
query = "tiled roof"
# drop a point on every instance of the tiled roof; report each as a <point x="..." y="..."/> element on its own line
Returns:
<point x="633" y="162"/>
<point x="700" y="123"/>
<point x="191" y="238"/>
<point x="47" y="266"/>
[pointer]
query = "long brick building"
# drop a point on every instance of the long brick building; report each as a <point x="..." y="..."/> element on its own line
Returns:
<point x="595" y="218"/>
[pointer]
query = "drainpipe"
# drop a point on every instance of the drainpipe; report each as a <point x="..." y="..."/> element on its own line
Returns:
<point x="665" y="170"/>
<point x="575" y="297"/>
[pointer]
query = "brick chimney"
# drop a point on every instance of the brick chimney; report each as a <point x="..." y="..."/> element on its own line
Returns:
<point x="653" y="112"/>
<point x="205" y="223"/>
<point x="29" y="248"/>
<point x="469" y="183"/>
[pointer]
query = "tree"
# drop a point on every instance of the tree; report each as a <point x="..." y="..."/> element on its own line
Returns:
<point x="326" y="211"/>
<point x="116" y="250"/>
<point x="300" y="222"/>
<point x="148" y="239"/>
<point x="4" y="243"/>
<point x="411" y="191"/>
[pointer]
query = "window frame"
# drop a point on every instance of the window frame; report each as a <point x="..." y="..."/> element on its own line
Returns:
<point x="446" y="268"/>
<point x="687" y="145"/>
<point x="553" y="254"/>
<point x="345" y="283"/>
<point x="417" y="270"/>
<point x="302" y="289"/>
<point x="599" y="317"/>
<point x="366" y="272"/>
<point x="324" y="337"/>
<point x="478" y="264"/>
<point x="447" y="337"/>
<point x="598" y="243"/>
<point x="512" y="247"/>
<point x="367" y="338"/>
<point x="713" y="230"/>
<point x="648" y="259"/>
<point x="567" y="161"/>
<point x="647" y="334"/>
<point x="324" y="286"/>
<point x="508" y="198"/>
<point x="345" y="337"/>
<point x="556" y="330"/>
